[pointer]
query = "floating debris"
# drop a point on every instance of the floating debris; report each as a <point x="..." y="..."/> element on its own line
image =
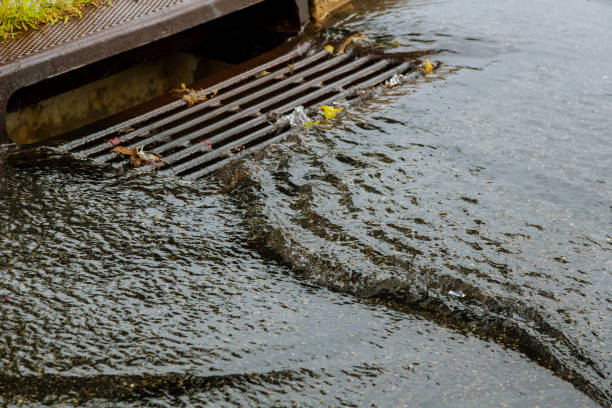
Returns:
<point x="298" y="117"/>
<point x="456" y="293"/>
<point x="394" y="81"/>
<point x="330" y="112"/>
<point x="139" y="157"/>
<point x="428" y="67"/>
<point x="115" y="141"/>
<point x="311" y="124"/>
<point x="346" y="43"/>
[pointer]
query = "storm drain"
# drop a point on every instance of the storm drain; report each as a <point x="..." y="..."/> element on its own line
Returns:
<point x="195" y="140"/>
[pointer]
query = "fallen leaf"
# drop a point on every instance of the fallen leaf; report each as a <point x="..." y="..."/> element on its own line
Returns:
<point x="329" y="48"/>
<point x="189" y="99"/>
<point x="347" y="42"/>
<point x="123" y="150"/>
<point x="115" y="141"/>
<point x="148" y="157"/>
<point x="263" y="74"/>
<point x="138" y="157"/>
<point x="194" y="97"/>
<point x="311" y="124"/>
<point x="330" y="112"/>
<point x="428" y="67"/>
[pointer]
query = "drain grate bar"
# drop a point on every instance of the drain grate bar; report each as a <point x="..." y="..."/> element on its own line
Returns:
<point x="280" y="61"/>
<point x="255" y="110"/>
<point x="196" y="140"/>
<point x="235" y="107"/>
<point x="334" y="87"/>
<point x="225" y="151"/>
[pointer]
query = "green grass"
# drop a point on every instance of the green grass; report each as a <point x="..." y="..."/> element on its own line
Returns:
<point x="23" y="15"/>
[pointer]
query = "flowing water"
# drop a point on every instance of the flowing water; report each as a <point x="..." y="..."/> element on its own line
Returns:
<point x="447" y="244"/>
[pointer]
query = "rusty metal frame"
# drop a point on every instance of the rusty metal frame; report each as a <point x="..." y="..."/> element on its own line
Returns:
<point x="87" y="49"/>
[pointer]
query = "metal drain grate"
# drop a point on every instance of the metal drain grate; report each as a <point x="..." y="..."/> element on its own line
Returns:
<point x="197" y="140"/>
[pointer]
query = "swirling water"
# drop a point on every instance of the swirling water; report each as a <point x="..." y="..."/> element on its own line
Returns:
<point x="446" y="244"/>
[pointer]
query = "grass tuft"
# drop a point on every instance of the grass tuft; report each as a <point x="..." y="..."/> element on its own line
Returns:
<point x="23" y="15"/>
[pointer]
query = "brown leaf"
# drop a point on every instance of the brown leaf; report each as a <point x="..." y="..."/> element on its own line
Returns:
<point x="124" y="150"/>
<point x="347" y="42"/>
<point x="148" y="157"/>
<point x="138" y="157"/>
<point x="195" y="97"/>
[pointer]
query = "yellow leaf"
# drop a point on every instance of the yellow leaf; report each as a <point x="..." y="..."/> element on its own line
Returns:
<point x="264" y="73"/>
<point x="330" y="111"/>
<point x="428" y="67"/>
<point x="310" y="124"/>
<point x="329" y="48"/>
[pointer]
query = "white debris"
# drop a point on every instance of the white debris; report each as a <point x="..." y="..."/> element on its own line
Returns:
<point x="398" y="79"/>
<point x="456" y="293"/>
<point x="296" y="118"/>
<point x="394" y="81"/>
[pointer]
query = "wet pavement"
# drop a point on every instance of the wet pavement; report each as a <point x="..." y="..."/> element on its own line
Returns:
<point x="446" y="244"/>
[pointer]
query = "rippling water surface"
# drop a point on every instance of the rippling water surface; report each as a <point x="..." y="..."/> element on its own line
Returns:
<point x="447" y="244"/>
